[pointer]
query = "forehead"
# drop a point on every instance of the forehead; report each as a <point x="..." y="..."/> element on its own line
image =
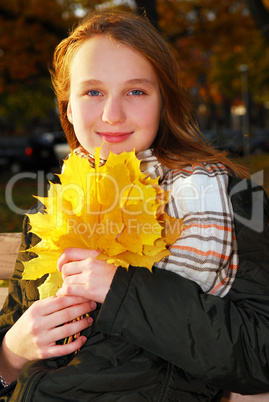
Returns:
<point x="102" y="56"/>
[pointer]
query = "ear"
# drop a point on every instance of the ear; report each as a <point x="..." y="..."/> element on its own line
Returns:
<point x="69" y="113"/>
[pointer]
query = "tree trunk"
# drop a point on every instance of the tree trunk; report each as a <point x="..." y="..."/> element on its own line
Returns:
<point x="148" y="7"/>
<point x="260" y="14"/>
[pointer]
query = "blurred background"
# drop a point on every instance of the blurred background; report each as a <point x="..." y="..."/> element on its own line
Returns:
<point x="222" y="48"/>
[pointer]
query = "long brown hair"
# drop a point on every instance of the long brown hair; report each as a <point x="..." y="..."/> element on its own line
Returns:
<point x="178" y="142"/>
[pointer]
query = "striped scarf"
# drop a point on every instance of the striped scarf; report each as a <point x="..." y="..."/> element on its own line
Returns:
<point x="206" y="251"/>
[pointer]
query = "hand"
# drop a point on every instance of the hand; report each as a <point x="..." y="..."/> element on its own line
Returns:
<point x="36" y="332"/>
<point x="84" y="275"/>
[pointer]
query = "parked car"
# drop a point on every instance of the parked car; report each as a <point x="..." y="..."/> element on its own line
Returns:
<point x="259" y="142"/>
<point x="40" y="152"/>
<point x="226" y="139"/>
<point x="233" y="140"/>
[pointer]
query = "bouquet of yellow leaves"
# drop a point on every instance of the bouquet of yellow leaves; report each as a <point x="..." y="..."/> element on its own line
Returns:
<point x="113" y="208"/>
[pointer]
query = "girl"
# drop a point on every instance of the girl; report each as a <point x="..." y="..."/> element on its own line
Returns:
<point x="158" y="336"/>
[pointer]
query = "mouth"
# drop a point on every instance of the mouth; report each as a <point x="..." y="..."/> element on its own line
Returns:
<point x="115" y="138"/>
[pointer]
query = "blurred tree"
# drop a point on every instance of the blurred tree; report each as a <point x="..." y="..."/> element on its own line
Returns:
<point x="210" y="39"/>
<point x="29" y="30"/>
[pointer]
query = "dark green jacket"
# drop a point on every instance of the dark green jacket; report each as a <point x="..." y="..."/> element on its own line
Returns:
<point x="158" y="337"/>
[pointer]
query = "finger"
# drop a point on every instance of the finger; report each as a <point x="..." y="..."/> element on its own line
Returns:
<point x="73" y="290"/>
<point x="71" y="268"/>
<point x="68" y="348"/>
<point x="75" y="254"/>
<point x="49" y="306"/>
<point x="70" y="329"/>
<point x="68" y="314"/>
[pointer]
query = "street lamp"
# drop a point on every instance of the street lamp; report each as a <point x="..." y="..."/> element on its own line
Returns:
<point x="245" y="118"/>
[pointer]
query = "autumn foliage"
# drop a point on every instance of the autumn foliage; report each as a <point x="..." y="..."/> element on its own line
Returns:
<point x="114" y="208"/>
<point x="210" y="39"/>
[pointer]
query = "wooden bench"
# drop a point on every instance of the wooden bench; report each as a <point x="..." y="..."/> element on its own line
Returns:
<point x="9" y="247"/>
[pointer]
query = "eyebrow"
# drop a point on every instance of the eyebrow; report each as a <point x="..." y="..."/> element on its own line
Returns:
<point x="134" y="81"/>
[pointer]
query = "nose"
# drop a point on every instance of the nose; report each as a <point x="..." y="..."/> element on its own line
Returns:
<point x="113" y="111"/>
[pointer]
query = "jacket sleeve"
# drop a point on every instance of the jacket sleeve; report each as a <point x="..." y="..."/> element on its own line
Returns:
<point x="222" y="341"/>
<point x="21" y="293"/>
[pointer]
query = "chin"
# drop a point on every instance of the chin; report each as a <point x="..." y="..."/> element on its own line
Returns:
<point x="105" y="150"/>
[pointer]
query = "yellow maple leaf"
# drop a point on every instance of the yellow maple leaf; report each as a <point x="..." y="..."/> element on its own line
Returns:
<point x="113" y="208"/>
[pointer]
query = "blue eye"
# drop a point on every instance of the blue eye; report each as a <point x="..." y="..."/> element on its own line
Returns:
<point x="94" y="92"/>
<point x="136" y="92"/>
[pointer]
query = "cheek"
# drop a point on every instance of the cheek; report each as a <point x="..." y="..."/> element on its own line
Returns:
<point x="149" y="114"/>
<point x="152" y="118"/>
<point x="82" y="113"/>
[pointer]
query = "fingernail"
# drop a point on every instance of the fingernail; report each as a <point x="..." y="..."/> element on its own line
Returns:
<point x="90" y="320"/>
<point x="93" y="305"/>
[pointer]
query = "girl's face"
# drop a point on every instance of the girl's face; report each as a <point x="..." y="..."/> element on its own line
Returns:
<point x="114" y="99"/>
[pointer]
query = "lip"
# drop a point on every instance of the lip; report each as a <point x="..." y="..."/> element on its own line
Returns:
<point x="116" y="137"/>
